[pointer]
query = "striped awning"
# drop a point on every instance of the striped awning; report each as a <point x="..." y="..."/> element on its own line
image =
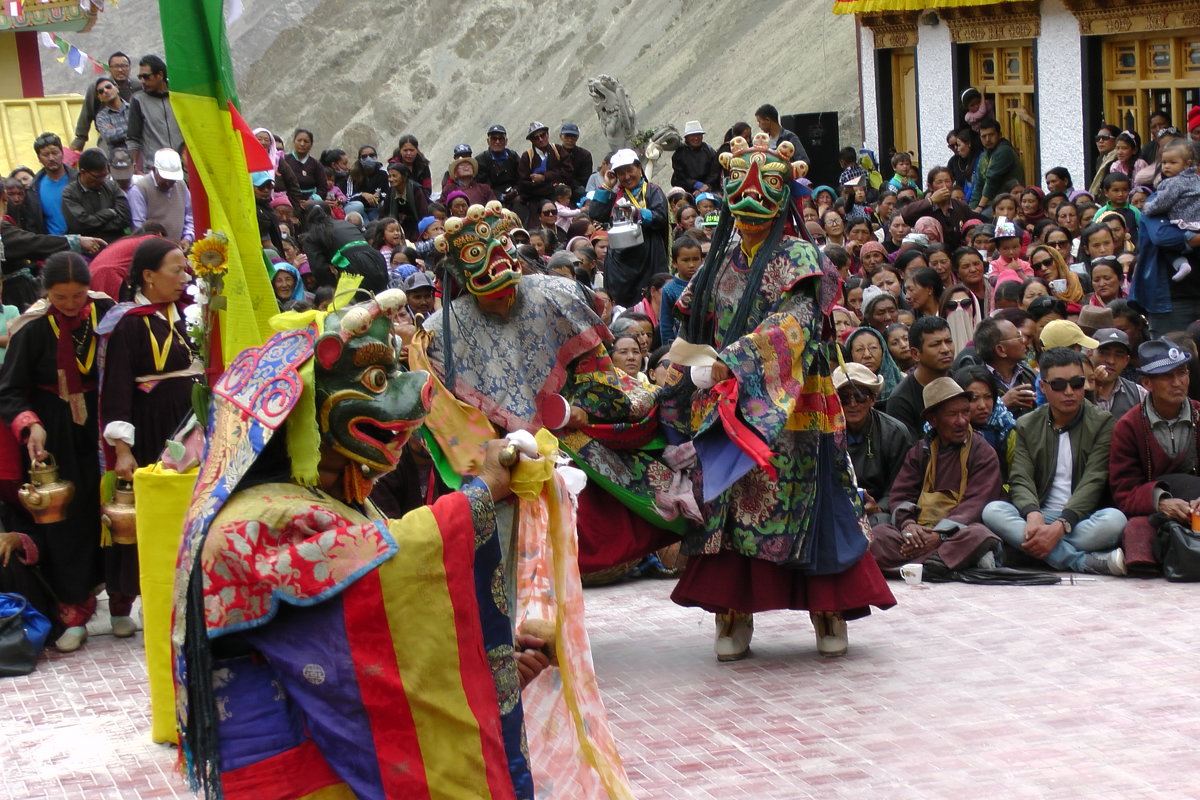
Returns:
<point x="884" y="6"/>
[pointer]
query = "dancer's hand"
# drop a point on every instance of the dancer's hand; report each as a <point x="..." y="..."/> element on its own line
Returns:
<point x="531" y="657"/>
<point x="497" y="476"/>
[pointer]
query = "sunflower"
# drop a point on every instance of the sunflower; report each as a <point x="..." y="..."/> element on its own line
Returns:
<point x="210" y="255"/>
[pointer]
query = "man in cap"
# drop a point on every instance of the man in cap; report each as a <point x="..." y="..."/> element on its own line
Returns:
<point x="463" y="176"/>
<point x="1155" y="457"/>
<point x="581" y="160"/>
<point x="694" y="167"/>
<point x="268" y="227"/>
<point x="938" y="496"/>
<point x="877" y="442"/>
<point x="498" y="165"/>
<point x="120" y="166"/>
<point x="1115" y="393"/>
<point x="163" y="197"/>
<point x="628" y="269"/>
<point x="1064" y="333"/>
<point x="1059" y="477"/>
<point x="539" y="168"/>
<point x="93" y="204"/>
<point x="419" y="289"/>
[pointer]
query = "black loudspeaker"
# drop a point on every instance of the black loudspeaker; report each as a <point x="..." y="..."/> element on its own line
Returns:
<point x="819" y="134"/>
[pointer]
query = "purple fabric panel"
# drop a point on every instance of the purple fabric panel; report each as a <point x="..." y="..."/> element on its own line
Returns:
<point x="254" y="718"/>
<point x="310" y="655"/>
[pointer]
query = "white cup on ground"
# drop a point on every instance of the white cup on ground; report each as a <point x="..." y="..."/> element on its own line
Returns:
<point x="912" y="573"/>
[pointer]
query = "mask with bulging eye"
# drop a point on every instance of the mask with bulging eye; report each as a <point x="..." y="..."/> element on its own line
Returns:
<point x="479" y="251"/>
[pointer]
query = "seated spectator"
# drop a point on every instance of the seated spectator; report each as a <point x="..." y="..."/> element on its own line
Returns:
<point x="897" y="341"/>
<point x="989" y="417"/>
<point x="879" y="308"/>
<point x="877" y="442"/>
<point x="868" y="347"/>
<point x="962" y="311"/>
<point x="939" y="494"/>
<point x="1155" y="455"/>
<point x="1094" y="318"/>
<point x="1064" y="333"/>
<point x="1115" y="393"/>
<point x="933" y="351"/>
<point x="1001" y="347"/>
<point x="1059" y="476"/>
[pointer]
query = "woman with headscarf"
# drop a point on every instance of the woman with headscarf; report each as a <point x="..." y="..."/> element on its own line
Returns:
<point x="1049" y="265"/>
<point x="868" y="347"/>
<point x="286" y="185"/>
<point x="930" y="228"/>
<point x="287" y="284"/>
<point x="307" y="170"/>
<point x="1031" y="206"/>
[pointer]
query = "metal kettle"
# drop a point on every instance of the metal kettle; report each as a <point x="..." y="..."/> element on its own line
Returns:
<point x="45" y="496"/>
<point x="118" y="514"/>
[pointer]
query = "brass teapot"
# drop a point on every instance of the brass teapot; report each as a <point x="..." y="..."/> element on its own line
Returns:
<point x="118" y="514"/>
<point x="45" y="496"/>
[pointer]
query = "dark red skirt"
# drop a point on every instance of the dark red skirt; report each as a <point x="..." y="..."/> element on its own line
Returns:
<point x="610" y="534"/>
<point x="729" y="580"/>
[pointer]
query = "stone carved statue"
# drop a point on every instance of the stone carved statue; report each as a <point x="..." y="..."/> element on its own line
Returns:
<point x="616" y="113"/>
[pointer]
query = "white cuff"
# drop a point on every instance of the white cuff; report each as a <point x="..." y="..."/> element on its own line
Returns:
<point x="118" y="432"/>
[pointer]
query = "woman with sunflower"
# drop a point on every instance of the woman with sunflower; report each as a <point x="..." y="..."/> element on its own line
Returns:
<point x="48" y="398"/>
<point x="148" y="371"/>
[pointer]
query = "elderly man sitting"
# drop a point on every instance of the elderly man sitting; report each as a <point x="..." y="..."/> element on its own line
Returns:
<point x="1059" y="476"/>
<point x="877" y="442"/>
<point x="1155" y="457"/>
<point x="938" y="497"/>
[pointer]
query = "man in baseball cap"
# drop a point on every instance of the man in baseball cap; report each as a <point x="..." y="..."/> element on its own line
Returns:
<point x="580" y="158"/>
<point x="1115" y="393"/>
<point x="539" y="168"/>
<point x="163" y="197"/>
<point x="1064" y="333"/>
<point x="498" y="165"/>
<point x="941" y="489"/>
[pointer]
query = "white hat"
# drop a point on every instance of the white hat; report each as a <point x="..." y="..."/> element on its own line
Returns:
<point x="623" y="158"/>
<point x="860" y="374"/>
<point x="692" y="126"/>
<point x="167" y="165"/>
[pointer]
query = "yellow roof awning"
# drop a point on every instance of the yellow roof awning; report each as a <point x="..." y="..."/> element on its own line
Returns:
<point x="884" y="6"/>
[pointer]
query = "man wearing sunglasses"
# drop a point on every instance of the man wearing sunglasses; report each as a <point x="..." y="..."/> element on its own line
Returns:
<point x="1059" y="476"/>
<point x="152" y="123"/>
<point x="877" y="442"/>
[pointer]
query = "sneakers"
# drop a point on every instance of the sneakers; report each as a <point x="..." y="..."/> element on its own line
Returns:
<point x="1104" y="563"/>
<point x="123" y="627"/>
<point x="832" y="637"/>
<point x="734" y="631"/>
<point x="72" y="639"/>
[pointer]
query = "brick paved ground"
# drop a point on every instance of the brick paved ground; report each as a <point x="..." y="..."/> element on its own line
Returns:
<point x="1086" y="690"/>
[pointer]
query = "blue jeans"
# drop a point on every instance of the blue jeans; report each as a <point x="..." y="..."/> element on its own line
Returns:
<point x="1098" y="533"/>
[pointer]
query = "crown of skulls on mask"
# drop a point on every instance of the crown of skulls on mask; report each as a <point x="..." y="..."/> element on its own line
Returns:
<point x="759" y="177"/>
<point x="479" y="251"/>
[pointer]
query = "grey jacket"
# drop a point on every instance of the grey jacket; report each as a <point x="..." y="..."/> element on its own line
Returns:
<point x="1177" y="198"/>
<point x="152" y="125"/>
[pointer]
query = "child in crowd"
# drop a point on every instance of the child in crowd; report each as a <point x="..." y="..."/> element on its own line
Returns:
<point x="706" y="203"/>
<point x="562" y="204"/>
<point x="983" y="240"/>
<point x="1008" y="264"/>
<point x="905" y="174"/>
<point x="1128" y="163"/>
<point x="686" y="257"/>
<point x="1178" y="197"/>
<point x="1116" y="191"/>
<point x="975" y="108"/>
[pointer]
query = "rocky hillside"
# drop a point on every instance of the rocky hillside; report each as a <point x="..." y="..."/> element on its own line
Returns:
<point x="361" y="72"/>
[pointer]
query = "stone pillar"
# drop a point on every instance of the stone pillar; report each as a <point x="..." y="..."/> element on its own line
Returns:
<point x="935" y="88"/>
<point x="1059" y="82"/>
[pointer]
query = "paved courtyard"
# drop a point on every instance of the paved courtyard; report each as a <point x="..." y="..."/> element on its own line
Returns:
<point x="1078" y="690"/>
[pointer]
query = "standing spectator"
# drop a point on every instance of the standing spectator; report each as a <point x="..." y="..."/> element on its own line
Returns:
<point x="962" y="164"/>
<point x="686" y="258"/>
<point x="498" y="165"/>
<point x="152" y="124"/>
<point x="1059" y="476"/>
<point x="118" y="71"/>
<point x="93" y="204"/>
<point x="22" y="210"/>
<point x="112" y="117"/>
<point x="767" y="117"/>
<point x="163" y="197"/>
<point x="50" y="182"/>
<point x="999" y="168"/>
<point x="694" y="167"/>
<point x="848" y="161"/>
<point x="580" y="160"/>
<point x="932" y="348"/>
<point x="939" y="494"/>
<point x="539" y="168"/>
<point x="628" y="270"/>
